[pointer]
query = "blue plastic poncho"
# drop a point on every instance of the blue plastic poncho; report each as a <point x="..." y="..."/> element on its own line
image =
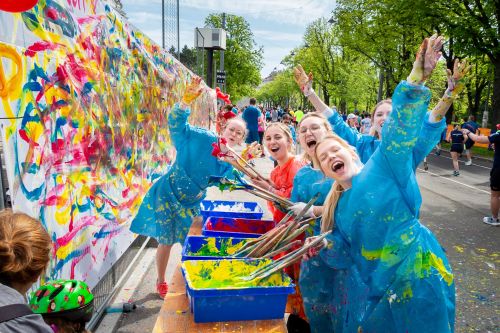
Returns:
<point x="410" y="286"/>
<point x="167" y="209"/>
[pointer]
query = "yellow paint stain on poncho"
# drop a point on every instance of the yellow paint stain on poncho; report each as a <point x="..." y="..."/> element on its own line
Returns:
<point x="229" y="274"/>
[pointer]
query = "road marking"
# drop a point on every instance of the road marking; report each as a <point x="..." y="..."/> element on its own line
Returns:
<point x="460" y="161"/>
<point x="454" y="181"/>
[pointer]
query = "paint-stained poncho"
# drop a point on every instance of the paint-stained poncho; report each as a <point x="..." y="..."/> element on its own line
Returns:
<point x="409" y="280"/>
<point x="365" y="144"/>
<point x="168" y="207"/>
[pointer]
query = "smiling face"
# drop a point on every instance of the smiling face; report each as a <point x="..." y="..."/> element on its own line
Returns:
<point x="311" y="131"/>
<point x="382" y="111"/>
<point x="234" y="132"/>
<point x="278" y="143"/>
<point x="337" y="160"/>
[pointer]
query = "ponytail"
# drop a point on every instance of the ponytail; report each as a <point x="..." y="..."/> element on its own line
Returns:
<point x="328" y="218"/>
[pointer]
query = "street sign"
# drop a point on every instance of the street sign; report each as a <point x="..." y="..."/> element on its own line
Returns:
<point x="220" y="77"/>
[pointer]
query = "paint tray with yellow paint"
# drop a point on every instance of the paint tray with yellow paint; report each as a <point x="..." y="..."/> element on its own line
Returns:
<point x="201" y="247"/>
<point x="217" y="290"/>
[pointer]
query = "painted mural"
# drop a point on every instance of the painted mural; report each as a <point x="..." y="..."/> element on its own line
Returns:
<point x="84" y="103"/>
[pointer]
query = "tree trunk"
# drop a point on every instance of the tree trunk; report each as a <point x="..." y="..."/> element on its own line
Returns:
<point x="326" y="95"/>
<point x="495" y="98"/>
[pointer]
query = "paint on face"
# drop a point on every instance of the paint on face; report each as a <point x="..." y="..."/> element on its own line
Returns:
<point x="312" y="130"/>
<point x="228" y="274"/>
<point x="277" y="143"/>
<point x="222" y="248"/>
<point x="380" y="115"/>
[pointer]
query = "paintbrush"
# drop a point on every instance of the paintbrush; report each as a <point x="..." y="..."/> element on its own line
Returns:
<point x="285" y="261"/>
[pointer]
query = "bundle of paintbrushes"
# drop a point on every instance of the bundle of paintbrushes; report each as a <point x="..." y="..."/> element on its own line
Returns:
<point x="240" y="184"/>
<point x="285" y="261"/>
<point x="225" y="153"/>
<point x="279" y="239"/>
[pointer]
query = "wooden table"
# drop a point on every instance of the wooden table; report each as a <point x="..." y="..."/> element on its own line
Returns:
<point x="175" y="315"/>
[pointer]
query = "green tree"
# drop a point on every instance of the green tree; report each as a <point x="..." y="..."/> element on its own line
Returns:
<point x="242" y="58"/>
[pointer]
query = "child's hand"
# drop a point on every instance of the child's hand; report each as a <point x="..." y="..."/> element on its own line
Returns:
<point x="193" y="90"/>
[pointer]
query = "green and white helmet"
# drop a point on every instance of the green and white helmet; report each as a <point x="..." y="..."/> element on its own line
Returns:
<point x="70" y="299"/>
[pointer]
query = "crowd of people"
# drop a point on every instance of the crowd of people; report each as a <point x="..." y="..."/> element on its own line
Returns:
<point x="379" y="270"/>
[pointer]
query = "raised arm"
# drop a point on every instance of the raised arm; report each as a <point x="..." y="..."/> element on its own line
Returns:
<point x="410" y="102"/>
<point x="177" y="118"/>
<point x="434" y="122"/>
<point x="339" y="126"/>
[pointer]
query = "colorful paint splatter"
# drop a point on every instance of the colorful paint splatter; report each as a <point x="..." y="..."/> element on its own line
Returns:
<point x="237" y="227"/>
<point x="213" y="247"/>
<point x="86" y="97"/>
<point x="228" y="274"/>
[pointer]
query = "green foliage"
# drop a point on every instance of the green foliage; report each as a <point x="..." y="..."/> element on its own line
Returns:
<point x="280" y="91"/>
<point x="242" y="58"/>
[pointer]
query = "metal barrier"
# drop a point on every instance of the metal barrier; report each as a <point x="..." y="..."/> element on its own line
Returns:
<point x="114" y="278"/>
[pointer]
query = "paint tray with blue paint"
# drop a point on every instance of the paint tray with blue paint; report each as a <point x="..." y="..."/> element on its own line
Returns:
<point x="236" y="227"/>
<point x="217" y="290"/>
<point x="244" y="209"/>
<point x="201" y="247"/>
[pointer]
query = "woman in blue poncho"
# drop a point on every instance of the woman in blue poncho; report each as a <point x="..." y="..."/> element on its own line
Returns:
<point x="410" y="287"/>
<point x="167" y="209"/>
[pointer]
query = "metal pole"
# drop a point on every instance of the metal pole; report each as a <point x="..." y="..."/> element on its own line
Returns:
<point x="163" y="24"/>
<point x="222" y="85"/>
<point x="178" y="37"/>
<point x="210" y="67"/>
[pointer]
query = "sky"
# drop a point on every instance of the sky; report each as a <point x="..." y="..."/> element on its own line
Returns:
<point x="277" y="25"/>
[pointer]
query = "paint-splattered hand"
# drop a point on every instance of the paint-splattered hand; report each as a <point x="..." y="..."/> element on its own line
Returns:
<point x="303" y="80"/>
<point x="427" y="57"/>
<point x="193" y="90"/>
<point x="313" y="251"/>
<point x="456" y="80"/>
<point x="252" y="151"/>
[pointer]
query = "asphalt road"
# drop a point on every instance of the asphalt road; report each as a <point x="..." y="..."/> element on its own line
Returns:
<point x="453" y="208"/>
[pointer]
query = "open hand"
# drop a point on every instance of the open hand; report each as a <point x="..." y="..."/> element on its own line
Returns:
<point x="193" y="90"/>
<point x="427" y="57"/>
<point x="456" y="79"/>
<point x="303" y="80"/>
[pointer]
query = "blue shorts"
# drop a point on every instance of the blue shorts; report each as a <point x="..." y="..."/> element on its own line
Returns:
<point x="252" y="137"/>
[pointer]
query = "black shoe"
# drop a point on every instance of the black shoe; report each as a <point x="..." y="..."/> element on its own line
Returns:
<point x="295" y="324"/>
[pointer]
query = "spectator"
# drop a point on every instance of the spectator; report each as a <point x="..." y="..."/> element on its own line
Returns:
<point x="352" y="121"/>
<point x="366" y="123"/>
<point x="494" y="174"/>
<point x="251" y="116"/>
<point x="287" y="120"/>
<point x="473" y="127"/>
<point x="24" y="255"/>
<point x="274" y="115"/>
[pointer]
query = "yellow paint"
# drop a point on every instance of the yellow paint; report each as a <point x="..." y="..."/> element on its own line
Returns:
<point x="228" y="274"/>
<point x="459" y="249"/>
<point x="77" y="242"/>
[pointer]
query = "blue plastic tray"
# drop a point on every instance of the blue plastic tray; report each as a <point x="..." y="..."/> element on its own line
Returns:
<point x="236" y="227"/>
<point x="194" y="244"/>
<point x="207" y="209"/>
<point x="232" y="304"/>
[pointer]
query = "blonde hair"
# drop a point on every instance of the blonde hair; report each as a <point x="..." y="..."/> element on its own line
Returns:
<point x="24" y="248"/>
<point x="326" y="123"/>
<point x="285" y="130"/>
<point x="373" y="130"/>
<point x="330" y="204"/>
